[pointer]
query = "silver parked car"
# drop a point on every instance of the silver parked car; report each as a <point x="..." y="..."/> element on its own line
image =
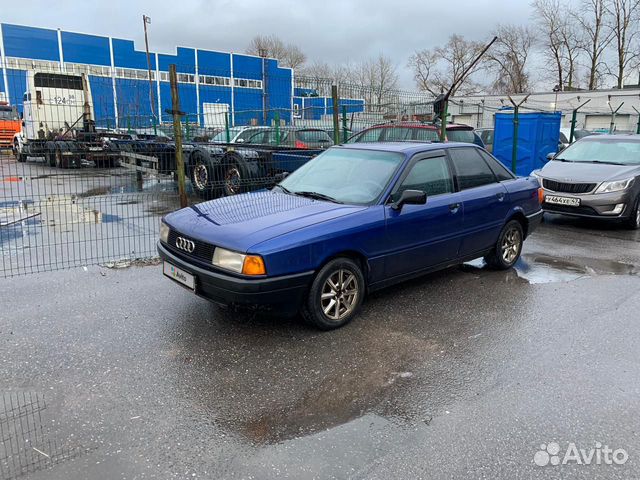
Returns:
<point x="597" y="176"/>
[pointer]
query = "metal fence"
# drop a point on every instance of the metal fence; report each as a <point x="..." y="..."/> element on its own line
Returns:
<point x="90" y="156"/>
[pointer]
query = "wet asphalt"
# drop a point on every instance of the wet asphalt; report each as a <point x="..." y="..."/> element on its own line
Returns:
<point x="121" y="374"/>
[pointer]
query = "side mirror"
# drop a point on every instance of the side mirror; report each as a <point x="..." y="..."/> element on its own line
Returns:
<point x="410" y="197"/>
<point x="551" y="155"/>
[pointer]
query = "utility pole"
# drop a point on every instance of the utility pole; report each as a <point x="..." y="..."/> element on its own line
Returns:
<point x="177" y="132"/>
<point x="147" y="20"/>
<point x="516" y="124"/>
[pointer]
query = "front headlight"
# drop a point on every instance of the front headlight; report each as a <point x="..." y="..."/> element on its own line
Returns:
<point x="616" y="186"/>
<point x="536" y="175"/>
<point x="238" y="262"/>
<point x="164" y="232"/>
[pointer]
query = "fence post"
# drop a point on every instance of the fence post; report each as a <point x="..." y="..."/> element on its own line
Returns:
<point x="187" y="131"/>
<point x="573" y="120"/>
<point x="177" y="131"/>
<point x="614" y="113"/>
<point x="276" y="119"/>
<point x="344" y="124"/>
<point x="516" y="124"/>
<point x="336" y="107"/>
<point x="226" y="127"/>
<point x="638" y="125"/>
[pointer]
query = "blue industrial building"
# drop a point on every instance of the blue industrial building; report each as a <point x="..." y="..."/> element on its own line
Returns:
<point x="212" y="85"/>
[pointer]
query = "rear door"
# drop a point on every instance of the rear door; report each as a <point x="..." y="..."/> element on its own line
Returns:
<point x="485" y="200"/>
<point x="422" y="236"/>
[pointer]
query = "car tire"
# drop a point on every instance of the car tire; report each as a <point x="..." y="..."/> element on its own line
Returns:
<point x="233" y="174"/>
<point x="201" y="174"/>
<point x="327" y="307"/>
<point x="508" y="247"/>
<point x="633" y="222"/>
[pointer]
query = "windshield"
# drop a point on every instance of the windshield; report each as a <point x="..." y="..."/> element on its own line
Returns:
<point x="622" y="152"/>
<point x="348" y="176"/>
<point x="222" y="135"/>
<point x="7" y="114"/>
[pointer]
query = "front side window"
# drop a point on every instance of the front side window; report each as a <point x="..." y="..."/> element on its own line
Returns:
<point x="471" y="170"/>
<point x="430" y="175"/>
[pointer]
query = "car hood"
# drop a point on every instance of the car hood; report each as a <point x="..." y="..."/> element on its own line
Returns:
<point x="240" y="221"/>
<point x="575" y="172"/>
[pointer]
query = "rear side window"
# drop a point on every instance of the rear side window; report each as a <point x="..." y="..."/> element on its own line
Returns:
<point x="430" y="175"/>
<point x="313" y="136"/>
<point x="471" y="170"/>
<point x="499" y="170"/>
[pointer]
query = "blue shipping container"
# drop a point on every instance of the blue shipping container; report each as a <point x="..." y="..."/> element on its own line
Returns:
<point x="538" y="135"/>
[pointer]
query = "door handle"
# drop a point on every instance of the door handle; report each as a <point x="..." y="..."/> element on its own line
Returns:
<point x="454" y="207"/>
<point x="500" y="196"/>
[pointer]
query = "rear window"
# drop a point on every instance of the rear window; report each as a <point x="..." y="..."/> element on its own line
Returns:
<point x="397" y="134"/>
<point x="425" y="135"/>
<point x="460" y="136"/>
<point x="371" y="135"/>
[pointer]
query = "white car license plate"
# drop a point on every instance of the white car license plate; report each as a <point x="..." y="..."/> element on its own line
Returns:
<point x="95" y="149"/>
<point x="179" y="275"/>
<point x="568" y="201"/>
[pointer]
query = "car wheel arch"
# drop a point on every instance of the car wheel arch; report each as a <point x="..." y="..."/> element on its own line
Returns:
<point x="519" y="215"/>
<point x="354" y="255"/>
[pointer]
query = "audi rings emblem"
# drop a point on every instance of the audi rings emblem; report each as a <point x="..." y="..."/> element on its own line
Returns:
<point x="186" y="245"/>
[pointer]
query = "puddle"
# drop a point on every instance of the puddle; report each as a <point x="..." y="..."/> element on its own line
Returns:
<point x="537" y="268"/>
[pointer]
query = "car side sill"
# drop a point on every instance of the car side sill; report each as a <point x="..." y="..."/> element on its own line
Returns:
<point x="372" y="287"/>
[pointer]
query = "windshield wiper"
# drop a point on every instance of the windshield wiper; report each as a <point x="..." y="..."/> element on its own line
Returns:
<point x="317" y="196"/>
<point x="284" y="190"/>
<point x="602" y="162"/>
<point x="562" y="160"/>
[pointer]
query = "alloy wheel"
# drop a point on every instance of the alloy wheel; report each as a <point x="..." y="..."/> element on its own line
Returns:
<point x="511" y="243"/>
<point x="339" y="294"/>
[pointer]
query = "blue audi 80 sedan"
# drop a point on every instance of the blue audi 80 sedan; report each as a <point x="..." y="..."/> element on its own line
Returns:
<point x="352" y="220"/>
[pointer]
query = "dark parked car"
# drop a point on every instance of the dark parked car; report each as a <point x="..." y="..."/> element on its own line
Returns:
<point x="294" y="137"/>
<point x="352" y="220"/>
<point x="417" y="132"/>
<point x="597" y="176"/>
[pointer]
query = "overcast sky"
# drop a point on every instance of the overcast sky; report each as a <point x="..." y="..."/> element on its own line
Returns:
<point x="334" y="31"/>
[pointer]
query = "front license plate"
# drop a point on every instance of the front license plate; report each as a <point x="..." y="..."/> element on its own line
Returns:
<point x="568" y="201"/>
<point x="179" y="275"/>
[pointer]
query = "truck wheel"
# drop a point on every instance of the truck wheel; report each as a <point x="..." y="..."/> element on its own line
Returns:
<point x="234" y="174"/>
<point x="60" y="160"/>
<point x="335" y="294"/>
<point x="201" y="174"/>
<point x="20" y="157"/>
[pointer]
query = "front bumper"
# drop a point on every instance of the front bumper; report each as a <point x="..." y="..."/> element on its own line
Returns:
<point x="283" y="294"/>
<point x="601" y="205"/>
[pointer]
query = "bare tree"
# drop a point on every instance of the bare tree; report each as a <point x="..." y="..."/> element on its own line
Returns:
<point x="436" y="70"/>
<point x="572" y="43"/>
<point x="507" y="58"/>
<point x="596" y="37"/>
<point x="625" y="19"/>
<point x="551" y="18"/>
<point x="271" y="46"/>
<point x="377" y="77"/>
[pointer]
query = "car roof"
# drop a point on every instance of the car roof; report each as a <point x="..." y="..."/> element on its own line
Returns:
<point x="612" y="137"/>
<point x="408" y="148"/>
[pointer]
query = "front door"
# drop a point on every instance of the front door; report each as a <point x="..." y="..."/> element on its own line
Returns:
<point x="422" y="236"/>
